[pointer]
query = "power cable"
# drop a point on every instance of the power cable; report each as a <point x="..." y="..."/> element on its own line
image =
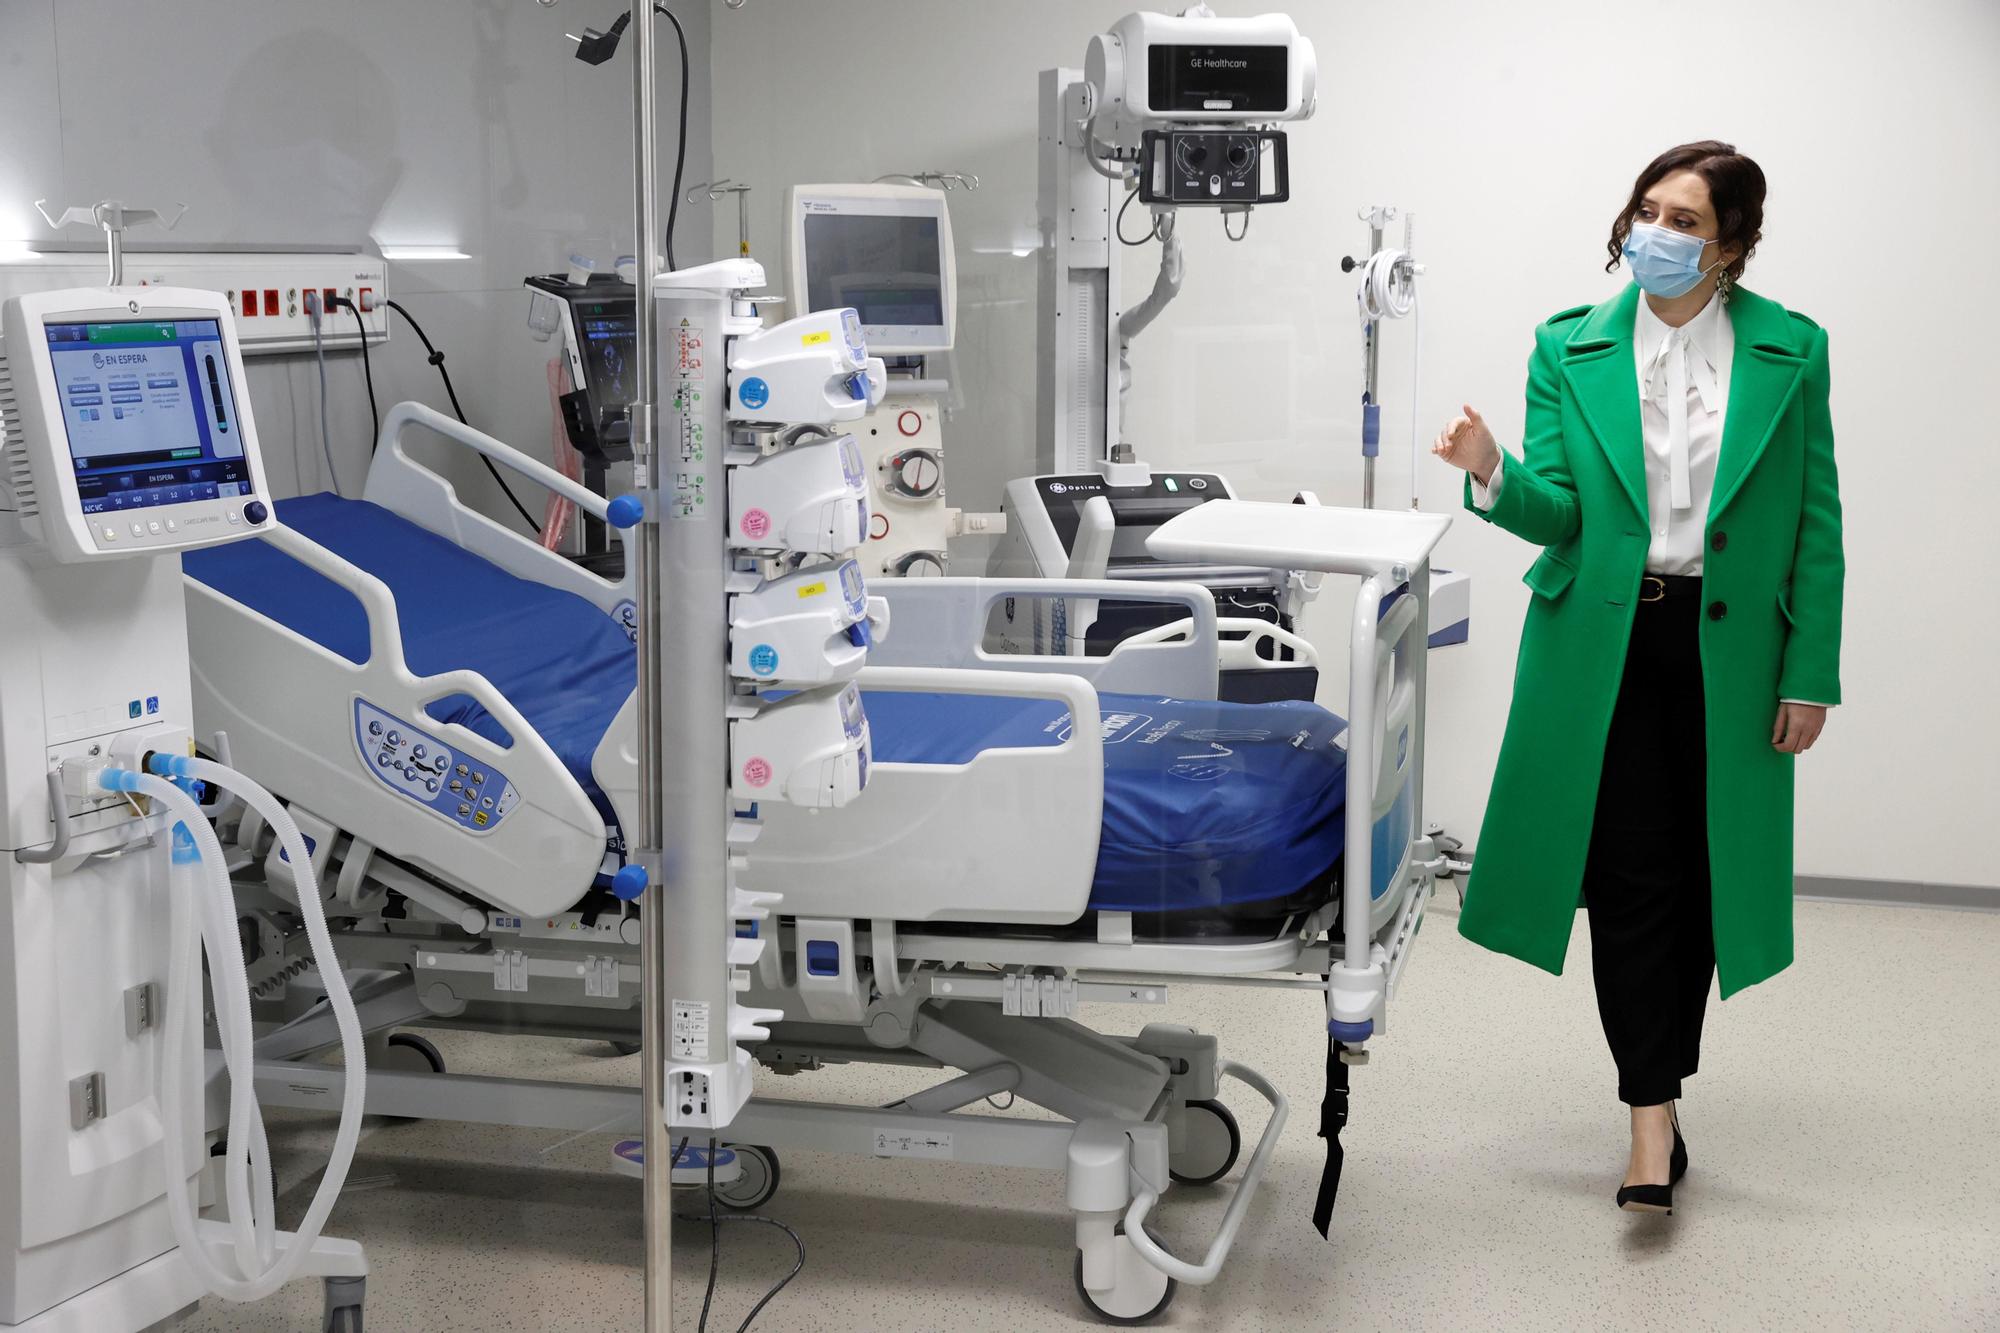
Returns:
<point x="437" y="359"/>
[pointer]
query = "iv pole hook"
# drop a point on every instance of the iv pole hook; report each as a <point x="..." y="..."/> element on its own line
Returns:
<point x="114" y="217"/>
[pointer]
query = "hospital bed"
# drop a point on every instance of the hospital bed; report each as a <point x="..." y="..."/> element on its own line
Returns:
<point x="447" y="708"/>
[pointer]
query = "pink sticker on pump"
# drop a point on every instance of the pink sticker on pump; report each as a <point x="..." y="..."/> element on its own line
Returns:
<point x="757" y="773"/>
<point x="756" y="524"/>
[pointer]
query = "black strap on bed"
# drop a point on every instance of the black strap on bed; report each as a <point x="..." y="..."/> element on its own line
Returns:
<point x="1332" y="1119"/>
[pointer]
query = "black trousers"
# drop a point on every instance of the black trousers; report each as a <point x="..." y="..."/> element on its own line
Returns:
<point x="1646" y="883"/>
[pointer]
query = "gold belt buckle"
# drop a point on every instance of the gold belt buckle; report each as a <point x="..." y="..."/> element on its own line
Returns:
<point x="1658" y="593"/>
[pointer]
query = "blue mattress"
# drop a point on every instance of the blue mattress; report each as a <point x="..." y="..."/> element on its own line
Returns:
<point x="563" y="663"/>
<point x="1205" y="804"/>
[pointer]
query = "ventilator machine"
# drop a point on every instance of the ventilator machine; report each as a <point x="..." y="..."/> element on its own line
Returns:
<point x="129" y="441"/>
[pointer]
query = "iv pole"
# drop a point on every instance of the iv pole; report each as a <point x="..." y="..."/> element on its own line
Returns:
<point x="653" y="914"/>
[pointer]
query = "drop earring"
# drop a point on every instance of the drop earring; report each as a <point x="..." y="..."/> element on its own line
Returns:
<point x="1724" y="285"/>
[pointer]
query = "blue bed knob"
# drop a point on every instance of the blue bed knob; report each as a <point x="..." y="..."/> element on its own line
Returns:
<point x="628" y="883"/>
<point x="625" y="512"/>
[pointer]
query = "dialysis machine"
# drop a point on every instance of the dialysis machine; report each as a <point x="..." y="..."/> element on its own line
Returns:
<point x="127" y="441"/>
<point x="885" y="252"/>
<point x="1171" y="111"/>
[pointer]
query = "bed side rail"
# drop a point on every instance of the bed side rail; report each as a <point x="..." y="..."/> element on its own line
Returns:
<point x="929" y="841"/>
<point x="1384" y="747"/>
<point x="398" y="482"/>
<point x="291" y="719"/>
<point x="1247" y="652"/>
<point x="943" y="623"/>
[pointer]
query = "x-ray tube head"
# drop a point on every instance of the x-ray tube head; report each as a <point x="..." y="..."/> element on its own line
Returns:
<point x="1162" y="71"/>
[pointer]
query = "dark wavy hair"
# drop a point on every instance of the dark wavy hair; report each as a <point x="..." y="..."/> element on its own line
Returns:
<point x="1735" y="188"/>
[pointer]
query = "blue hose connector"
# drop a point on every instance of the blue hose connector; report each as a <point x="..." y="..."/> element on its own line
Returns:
<point x="1350" y="1032"/>
<point x="625" y="512"/>
<point x="118" y="779"/>
<point x="185" y="850"/>
<point x="628" y="883"/>
<point x="168" y="765"/>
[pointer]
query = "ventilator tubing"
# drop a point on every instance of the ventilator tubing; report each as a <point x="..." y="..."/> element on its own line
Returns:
<point x="204" y="912"/>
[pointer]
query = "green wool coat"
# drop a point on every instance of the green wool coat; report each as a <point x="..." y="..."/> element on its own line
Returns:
<point x="1771" y="589"/>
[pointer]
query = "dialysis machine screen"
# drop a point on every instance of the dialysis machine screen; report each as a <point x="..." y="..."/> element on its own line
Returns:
<point x="150" y="412"/>
<point x="886" y="266"/>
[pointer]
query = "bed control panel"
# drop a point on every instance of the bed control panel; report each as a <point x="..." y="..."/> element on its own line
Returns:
<point x="472" y="794"/>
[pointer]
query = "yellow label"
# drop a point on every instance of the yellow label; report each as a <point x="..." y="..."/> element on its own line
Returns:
<point x="811" y="589"/>
<point x="808" y="339"/>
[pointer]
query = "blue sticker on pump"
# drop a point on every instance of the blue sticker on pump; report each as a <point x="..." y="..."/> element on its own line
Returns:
<point x="764" y="660"/>
<point x="753" y="392"/>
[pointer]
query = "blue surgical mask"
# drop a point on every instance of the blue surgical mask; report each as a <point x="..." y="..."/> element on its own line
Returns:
<point x="1666" y="263"/>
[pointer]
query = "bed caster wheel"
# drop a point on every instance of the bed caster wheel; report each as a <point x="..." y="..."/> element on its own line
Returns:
<point x="344" y="1299"/>
<point x="407" y="1050"/>
<point x="1210" y="1146"/>
<point x="404" y="1052"/>
<point x="755" y="1183"/>
<point x="1142" y="1294"/>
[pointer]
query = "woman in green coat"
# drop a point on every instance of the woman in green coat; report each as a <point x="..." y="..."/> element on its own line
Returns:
<point x="1682" y="642"/>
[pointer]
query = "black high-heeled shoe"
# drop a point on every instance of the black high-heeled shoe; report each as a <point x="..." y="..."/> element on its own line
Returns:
<point x="1658" y="1198"/>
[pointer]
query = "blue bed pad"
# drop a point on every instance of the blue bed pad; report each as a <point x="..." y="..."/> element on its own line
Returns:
<point x="1205" y="804"/>
<point x="567" y="666"/>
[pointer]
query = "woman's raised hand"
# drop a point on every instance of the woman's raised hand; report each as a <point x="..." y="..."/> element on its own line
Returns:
<point x="1467" y="443"/>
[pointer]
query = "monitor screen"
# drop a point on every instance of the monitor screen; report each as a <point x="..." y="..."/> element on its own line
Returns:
<point x="885" y="266"/>
<point x="606" y="336"/>
<point x="149" y="410"/>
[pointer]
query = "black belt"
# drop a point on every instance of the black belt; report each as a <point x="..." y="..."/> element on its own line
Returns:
<point x="1669" y="587"/>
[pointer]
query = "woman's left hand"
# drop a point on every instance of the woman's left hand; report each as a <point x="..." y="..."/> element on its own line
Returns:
<point x="1797" y="727"/>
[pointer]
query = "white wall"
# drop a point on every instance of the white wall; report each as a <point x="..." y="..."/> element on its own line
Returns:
<point x="1513" y="131"/>
<point x="297" y="123"/>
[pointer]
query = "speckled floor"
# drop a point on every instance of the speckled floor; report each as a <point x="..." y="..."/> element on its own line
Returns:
<point x="1845" y="1135"/>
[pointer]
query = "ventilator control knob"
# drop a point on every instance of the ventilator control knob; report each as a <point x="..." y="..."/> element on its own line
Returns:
<point x="255" y="513"/>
